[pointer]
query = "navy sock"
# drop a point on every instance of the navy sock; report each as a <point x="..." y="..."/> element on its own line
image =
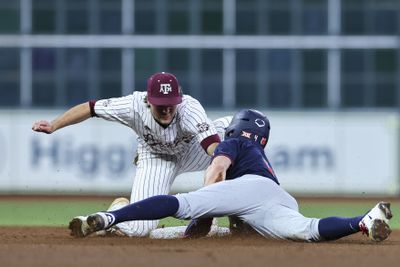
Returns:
<point x="332" y="228"/>
<point x="152" y="208"/>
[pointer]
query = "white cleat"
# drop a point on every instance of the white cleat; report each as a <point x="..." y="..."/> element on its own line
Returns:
<point x="117" y="203"/>
<point x="82" y="226"/>
<point x="375" y="223"/>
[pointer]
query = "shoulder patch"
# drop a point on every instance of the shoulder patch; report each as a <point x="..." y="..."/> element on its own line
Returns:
<point x="203" y="127"/>
<point x="107" y="102"/>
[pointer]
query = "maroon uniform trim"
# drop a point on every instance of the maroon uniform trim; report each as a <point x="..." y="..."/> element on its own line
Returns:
<point x="209" y="140"/>
<point x="91" y="105"/>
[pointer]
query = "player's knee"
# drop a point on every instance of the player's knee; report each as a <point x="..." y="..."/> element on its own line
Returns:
<point x="140" y="228"/>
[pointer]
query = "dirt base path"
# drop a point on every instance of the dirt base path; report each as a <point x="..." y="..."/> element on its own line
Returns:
<point x="35" y="246"/>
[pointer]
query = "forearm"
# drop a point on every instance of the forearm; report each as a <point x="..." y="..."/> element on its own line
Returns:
<point x="214" y="175"/>
<point x="216" y="172"/>
<point x="74" y="115"/>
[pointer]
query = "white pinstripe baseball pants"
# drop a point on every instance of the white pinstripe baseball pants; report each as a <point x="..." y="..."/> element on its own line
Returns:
<point x="155" y="175"/>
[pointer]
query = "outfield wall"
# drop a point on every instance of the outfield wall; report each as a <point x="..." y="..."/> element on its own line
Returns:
<point x="353" y="153"/>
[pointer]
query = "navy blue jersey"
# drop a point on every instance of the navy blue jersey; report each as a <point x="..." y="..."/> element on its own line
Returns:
<point x="246" y="158"/>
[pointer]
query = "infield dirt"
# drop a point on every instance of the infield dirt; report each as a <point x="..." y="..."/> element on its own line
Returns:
<point x="37" y="246"/>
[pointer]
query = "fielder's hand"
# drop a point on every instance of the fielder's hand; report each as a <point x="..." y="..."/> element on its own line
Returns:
<point x="42" y="126"/>
<point x="198" y="228"/>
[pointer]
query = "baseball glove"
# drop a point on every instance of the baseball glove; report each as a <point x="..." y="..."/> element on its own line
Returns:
<point x="239" y="227"/>
<point x="198" y="228"/>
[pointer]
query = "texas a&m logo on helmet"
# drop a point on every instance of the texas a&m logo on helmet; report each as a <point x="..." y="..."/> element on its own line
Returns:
<point x="165" y="88"/>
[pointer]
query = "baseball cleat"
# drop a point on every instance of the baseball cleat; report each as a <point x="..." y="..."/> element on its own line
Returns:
<point x="117" y="203"/>
<point x="375" y="223"/>
<point x="79" y="227"/>
<point x="100" y="221"/>
<point x="82" y="226"/>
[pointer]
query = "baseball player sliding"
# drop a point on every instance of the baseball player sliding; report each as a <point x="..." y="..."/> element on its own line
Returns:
<point x="241" y="183"/>
<point x="174" y="136"/>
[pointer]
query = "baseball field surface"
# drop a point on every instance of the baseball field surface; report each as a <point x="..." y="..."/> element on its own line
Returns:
<point x="34" y="232"/>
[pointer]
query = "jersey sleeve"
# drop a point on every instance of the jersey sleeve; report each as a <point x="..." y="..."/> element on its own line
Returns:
<point x="120" y="109"/>
<point x="223" y="122"/>
<point x="195" y="121"/>
<point x="228" y="148"/>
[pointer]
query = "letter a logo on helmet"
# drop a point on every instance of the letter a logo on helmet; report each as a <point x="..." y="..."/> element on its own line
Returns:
<point x="165" y="88"/>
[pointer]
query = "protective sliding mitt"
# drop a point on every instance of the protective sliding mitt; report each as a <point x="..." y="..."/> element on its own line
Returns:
<point x="198" y="228"/>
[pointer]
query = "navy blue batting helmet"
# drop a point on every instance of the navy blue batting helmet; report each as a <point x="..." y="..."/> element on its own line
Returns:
<point x="251" y="124"/>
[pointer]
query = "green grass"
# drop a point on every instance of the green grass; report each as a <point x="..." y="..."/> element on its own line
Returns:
<point x="45" y="213"/>
<point x="346" y="209"/>
<point x="32" y="212"/>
